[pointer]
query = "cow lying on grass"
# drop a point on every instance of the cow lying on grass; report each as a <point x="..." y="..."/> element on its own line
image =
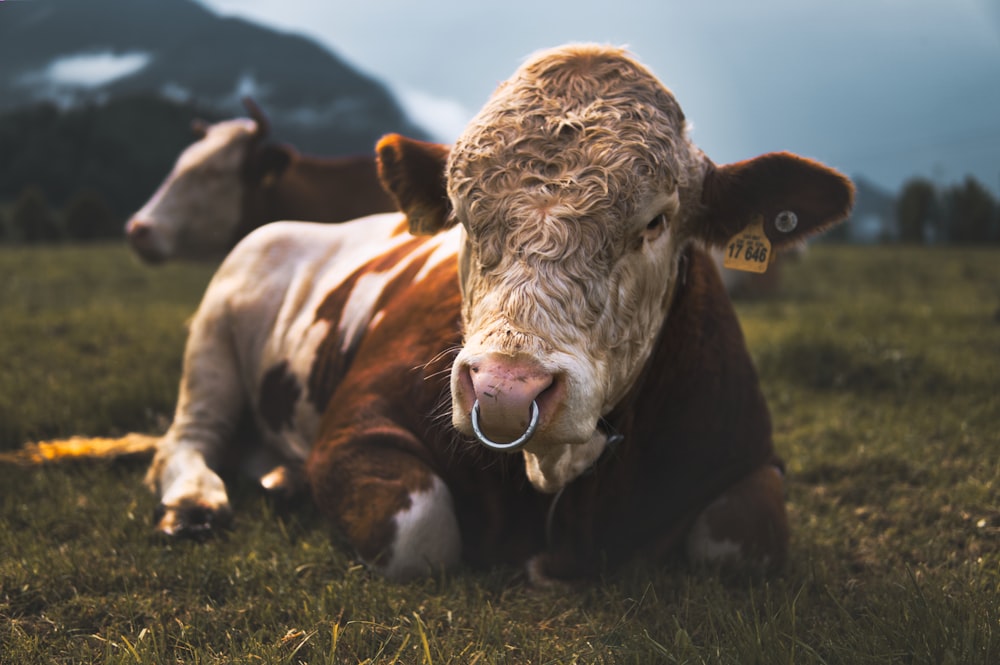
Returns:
<point x="554" y="302"/>
<point x="232" y="181"/>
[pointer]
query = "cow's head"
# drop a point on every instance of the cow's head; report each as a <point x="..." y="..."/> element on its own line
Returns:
<point x="578" y="190"/>
<point x="198" y="208"/>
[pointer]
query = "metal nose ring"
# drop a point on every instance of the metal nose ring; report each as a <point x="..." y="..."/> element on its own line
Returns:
<point x="514" y="445"/>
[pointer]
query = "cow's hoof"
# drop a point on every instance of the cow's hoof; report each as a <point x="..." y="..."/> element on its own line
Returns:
<point x="285" y="485"/>
<point x="540" y="577"/>
<point x="190" y="521"/>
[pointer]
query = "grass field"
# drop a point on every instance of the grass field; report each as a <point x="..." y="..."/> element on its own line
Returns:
<point x="882" y="367"/>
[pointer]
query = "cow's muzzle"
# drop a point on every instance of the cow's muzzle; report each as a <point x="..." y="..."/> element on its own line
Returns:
<point x="143" y="238"/>
<point x="512" y="446"/>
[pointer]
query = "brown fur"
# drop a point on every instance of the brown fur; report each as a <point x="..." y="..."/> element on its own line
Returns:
<point x="309" y="188"/>
<point x="370" y="453"/>
<point x="734" y="193"/>
<point x="331" y="361"/>
<point x="411" y="171"/>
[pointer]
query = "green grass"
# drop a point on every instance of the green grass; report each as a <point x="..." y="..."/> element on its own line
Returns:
<point x="881" y="367"/>
<point x="91" y="340"/>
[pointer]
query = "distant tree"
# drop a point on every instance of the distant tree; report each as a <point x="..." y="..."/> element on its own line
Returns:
<point x="916" y="210"/>
<point x="122" y="149"/>
<point x="31" y="218"/>
<point x="5" y="231"/>
<point x="970" y="213"/>
<point x="88" y="217"/>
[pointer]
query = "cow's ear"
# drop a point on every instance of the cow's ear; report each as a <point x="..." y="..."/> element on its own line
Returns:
<point x="414" y="173"/>
<point x="266" y="163"/>
<point x="794" y="197"/>
<point x="199" y="128"/>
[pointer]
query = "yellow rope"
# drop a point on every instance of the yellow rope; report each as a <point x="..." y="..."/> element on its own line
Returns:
<point x="80" y="447"/>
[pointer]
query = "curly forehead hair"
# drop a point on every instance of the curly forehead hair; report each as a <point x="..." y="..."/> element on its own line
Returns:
<point x="585" y="128"/>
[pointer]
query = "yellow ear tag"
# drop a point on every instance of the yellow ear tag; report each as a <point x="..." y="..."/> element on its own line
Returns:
<point x="749" y="250"/>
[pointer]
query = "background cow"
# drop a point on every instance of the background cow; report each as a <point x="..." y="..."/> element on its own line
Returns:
<point x="232" y="181"/>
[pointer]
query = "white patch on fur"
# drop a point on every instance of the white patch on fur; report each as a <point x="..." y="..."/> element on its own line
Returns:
<point x="553" y="468"/>
<point x="286" y="270"/>
<point x="377" y="319"/>
<point x="427" y="536"/>
<point x="359" y="311"/>
<point x="358" y="316"/>
<point x="360" y="305"/>
<point x="703" y="548"/>
<point x="448" y="245"/>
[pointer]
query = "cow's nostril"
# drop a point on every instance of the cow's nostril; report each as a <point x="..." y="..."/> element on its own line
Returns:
<point x="549" y="396"/>
<point x="137" y="230"/>
<point x="465" y="391"/>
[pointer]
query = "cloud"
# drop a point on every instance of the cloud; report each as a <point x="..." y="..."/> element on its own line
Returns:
<point x="69" y="79"/>
<point x="92" y="70"/>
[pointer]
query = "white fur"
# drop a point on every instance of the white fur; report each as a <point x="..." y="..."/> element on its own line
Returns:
<point x="702" y="548"/>
<point x="447" y="248"/>
<point x="427" y="535"/>
<point x="553" y="468"/>
<point x="186" y="481"/>
<point x="195" y="210"/>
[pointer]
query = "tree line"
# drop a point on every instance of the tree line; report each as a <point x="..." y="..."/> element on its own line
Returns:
<point x="31" y="220"/>
<point x="77" y="174"/>
<point x="965" y="213"/>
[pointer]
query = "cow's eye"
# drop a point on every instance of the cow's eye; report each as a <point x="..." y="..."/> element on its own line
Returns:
<point x="655" y="227"/>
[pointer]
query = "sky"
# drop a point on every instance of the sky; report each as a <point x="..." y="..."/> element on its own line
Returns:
<point x="888" y="89"/>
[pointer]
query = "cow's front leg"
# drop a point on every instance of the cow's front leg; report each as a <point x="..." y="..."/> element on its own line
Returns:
<point x="193" y="497"/>
<point x="746" y="527"/>
<point x="383" y="496"/>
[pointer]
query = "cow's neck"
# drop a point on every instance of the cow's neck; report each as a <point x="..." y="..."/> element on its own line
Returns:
<point x="315" y="189"/>
<point x="298" y="193"/>
<point x="661" y="430"/>
<point x="617" y="425"/>
<point x="698" y="393"/>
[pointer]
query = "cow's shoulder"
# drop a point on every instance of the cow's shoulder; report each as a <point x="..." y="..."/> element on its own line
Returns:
<point x="293" y="255"/>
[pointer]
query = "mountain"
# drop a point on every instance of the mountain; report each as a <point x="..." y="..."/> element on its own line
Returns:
<point x="81" y="53"/>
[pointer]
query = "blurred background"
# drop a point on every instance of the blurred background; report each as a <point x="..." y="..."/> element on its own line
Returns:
<point x="96" y="97"/>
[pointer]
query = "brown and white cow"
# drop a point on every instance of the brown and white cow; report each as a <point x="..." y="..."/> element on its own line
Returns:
<point x="232" y="181"/>
<point x="556" y="303"/>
